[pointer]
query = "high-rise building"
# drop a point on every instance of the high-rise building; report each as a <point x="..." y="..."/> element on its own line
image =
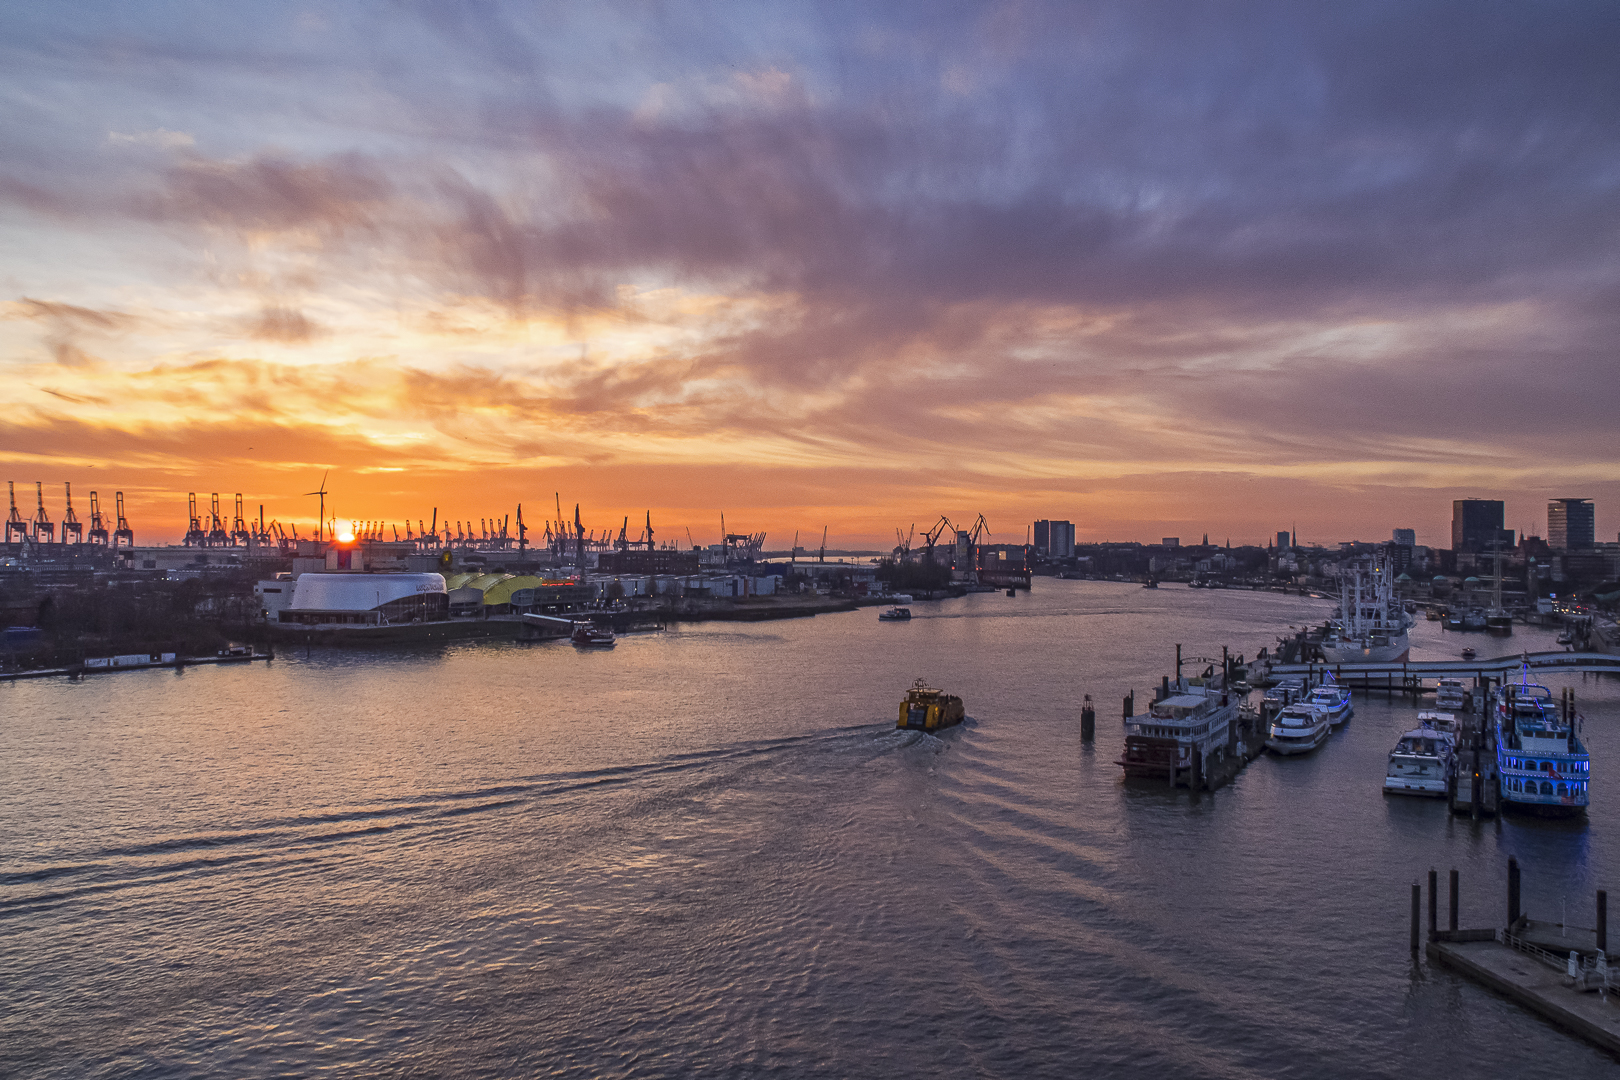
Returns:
<point x="1054" y="539"/>
<point x="1282" y="540"/>
<point x="1406" y="537"/>
<point x="1571" y="524"/>
<point x="1476" y="524"/>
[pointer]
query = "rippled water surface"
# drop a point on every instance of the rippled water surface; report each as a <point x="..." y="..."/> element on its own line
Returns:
<point x="708" y="852"/>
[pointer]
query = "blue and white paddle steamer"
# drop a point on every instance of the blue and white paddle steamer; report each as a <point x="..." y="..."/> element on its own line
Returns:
<point x="1540" y="757"/>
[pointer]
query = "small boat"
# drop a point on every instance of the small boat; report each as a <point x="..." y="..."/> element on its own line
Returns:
<point x="1453" y="620"/>
<point x="1450" y="695"/>
<point x="1298" y="729"/>
<point x="927" y="709"/>
<point x="1422" y="760"/>
<point x="589" y="634"/>
<point x="895" y="614"/>
<point x="1566" y="638"/>
<point x="1469" y="653"/>
<point x="1435" y="615"/>
<point x="1012" y="592"/>
<point x="1332" y="699"/>
<point x="1151" y="583"/>
<point x="1498" y="622"/>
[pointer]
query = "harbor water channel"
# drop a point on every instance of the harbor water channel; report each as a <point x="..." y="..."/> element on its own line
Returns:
<point x="708" y="852"/>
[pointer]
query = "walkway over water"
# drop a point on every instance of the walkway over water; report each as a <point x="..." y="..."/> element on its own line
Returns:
<point x="1498" y="667"/>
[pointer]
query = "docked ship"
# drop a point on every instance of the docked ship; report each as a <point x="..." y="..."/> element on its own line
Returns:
<point x="1372" y="623"/>
<point x="1423" y="759"/>
<point x="1181" y="731"/>
<point x="1298" y="729"/>
<point x="895" y="614"/>
<point x="1332" y="699"/>
<point x="1542" y="762"/>
<point x="927" y="709"/>
<point x="593" y="636"/>
<point x="1450" y="695"/>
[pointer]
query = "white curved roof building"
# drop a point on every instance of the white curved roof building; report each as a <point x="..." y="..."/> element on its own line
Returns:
<point x="367" y="598"/>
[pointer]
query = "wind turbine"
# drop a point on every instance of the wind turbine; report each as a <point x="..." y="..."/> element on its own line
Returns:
<point x="322" y="494"/>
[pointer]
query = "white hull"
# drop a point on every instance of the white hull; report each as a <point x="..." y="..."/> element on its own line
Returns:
<point x="1290" y="747"/>
<point x="1350" y="652"/>
<point x="1434" y="789"/>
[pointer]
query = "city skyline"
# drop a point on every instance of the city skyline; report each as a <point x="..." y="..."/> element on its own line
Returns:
<point x="1152" y="271"/>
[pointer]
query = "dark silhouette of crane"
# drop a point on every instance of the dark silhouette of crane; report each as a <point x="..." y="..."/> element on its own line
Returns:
<point x="70" y="521"/>
<point x="931" y="537"/>
<point x="239" y="529"/>
<point x="195" y="536"/>
<point x="98" y="523"/>
<point x="217" y="536"/>
<point x="43" y="525"/>
<point x="123" y="535"/>
<point x="15" y="523"/>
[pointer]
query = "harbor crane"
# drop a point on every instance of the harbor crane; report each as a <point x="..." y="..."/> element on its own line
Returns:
<point x="239" y="529"/>
<point x="981" y="528"/>
<point x="98" y="523"/>
<point x="793" y="556"/>
<point x="70" y="521"/>
<point x="42" y="522"/>
<point x="823" y="556"/>
<point x="217" y="536"/>
<point x="15" y="523"/>
<point x="523" y="531"/>
<point x="902" y="550"/>
<point x="931" y="537"/>
<point x="195" y="536"/>
<point x="123" y="535"/>
<point x="321" y="491"/>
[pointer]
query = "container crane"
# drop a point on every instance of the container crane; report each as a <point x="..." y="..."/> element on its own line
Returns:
<point x="217" y="536"/>
<point x="194" y="532"/>
<point x="98" y="523"/>
<point x="70" y="522"/>
<point x="123" y="535"/>
<point x="239" y="529"/>
<point x="15" y="523"/>
<point x="42" y="522"/>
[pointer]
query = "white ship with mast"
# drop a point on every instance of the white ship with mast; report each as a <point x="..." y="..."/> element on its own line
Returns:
<point x="1372" y="624"/>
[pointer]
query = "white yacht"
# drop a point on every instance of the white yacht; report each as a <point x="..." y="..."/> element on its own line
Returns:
<point x="1332" y="699"/>
<point x="1298" y="729"/>
<point x="1422" y="760"/>
<point x="1450" y="695"/>
<point x="1372" y="623"/>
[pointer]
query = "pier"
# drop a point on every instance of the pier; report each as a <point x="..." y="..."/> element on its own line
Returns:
<point x="1409" y="674"/>
<point x="1559" y="972"/>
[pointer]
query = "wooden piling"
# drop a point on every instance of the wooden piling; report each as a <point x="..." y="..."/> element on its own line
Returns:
<point x="1434" y="902"/>
<point x="1088" y="721"/>
<point x="1453" y="925"/>
<point x="1513" y="890"/>
<point x="1603" y="920"/>
<point x="1417" y="900"/>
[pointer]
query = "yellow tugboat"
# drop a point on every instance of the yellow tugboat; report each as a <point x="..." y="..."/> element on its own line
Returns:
<point x="927" y="709"/>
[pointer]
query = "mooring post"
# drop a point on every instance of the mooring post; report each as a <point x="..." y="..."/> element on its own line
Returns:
<point x="1088" y="720"/>
<point x="1129" y="708"/>
<point x="1603" y="920"/>
<point x="1453" y="898"/>
<point x="1417" y="900"/>
<point x="1178" y="666"/>
<point x="1434" y="902"/>
<point x="1513" y="890"/>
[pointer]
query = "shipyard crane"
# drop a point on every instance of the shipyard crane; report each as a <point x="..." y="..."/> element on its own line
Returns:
<point x="15" y="523"/>
<point x="217" y="536"/>
<point x="689" y="539"/>
<point x="931" y="537"/>
<point x="579" y="539"/>
<point x="70" y="521"/>
<point x="981" y="528"/>
<point x="523" y="531"/>
<point x="622" y="543"/>
<point x="793" y="556"/>
<point x="649" y="531"/>
<point x="396" y="531"/>
<point x="321" y="491"/>
<point x="98" y="523"/>
<point x="239" y="529"/>
<point x="42" y="521"/>
<point x="123" y="535"/>
<point x="823" y="556"/>
<point x="902" y="550"/>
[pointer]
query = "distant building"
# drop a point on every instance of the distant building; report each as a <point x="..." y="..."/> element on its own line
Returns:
<point x="659" y="561"/>
<point x="1476" y="524"/>
<point x="1571" y="524"/>
<point x="1054" y="539"/>
<point x="1282" y="540"/>
<point x="1406" y="537"/>
<point x="1171" y="541"/>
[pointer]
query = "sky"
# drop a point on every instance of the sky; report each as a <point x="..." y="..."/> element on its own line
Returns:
<point x="1160" y="269"/>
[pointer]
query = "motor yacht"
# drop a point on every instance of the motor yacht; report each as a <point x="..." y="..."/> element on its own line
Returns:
<point x="1298" y="729"/>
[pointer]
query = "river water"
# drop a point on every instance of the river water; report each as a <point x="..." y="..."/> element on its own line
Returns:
<point x="707" y="852"/>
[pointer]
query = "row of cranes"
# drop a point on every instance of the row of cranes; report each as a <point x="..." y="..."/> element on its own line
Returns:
<point x="42" y="530"/>
<point x="971" y="538"/>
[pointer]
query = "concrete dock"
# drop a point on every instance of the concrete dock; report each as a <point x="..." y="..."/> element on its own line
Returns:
<point x="1536" y="985"/>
